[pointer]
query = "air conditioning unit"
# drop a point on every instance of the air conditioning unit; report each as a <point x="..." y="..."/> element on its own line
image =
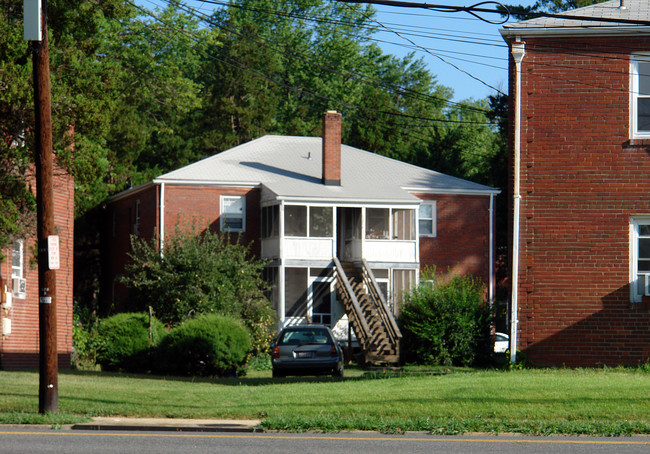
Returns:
<point x="647" y="285"/>
<point x="20" y="286"/>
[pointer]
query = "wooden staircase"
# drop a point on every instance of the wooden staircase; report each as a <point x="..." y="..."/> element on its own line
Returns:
<point x="368" y="314"/>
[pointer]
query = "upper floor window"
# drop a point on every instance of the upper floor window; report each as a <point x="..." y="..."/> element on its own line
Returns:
<point x="233" y="213"/>
<point x="640" y="95"/>
<point x="311" y="221"/>
<point x="380" y="227"/>
<point x="377" y="223"/>
<point x="427" y="219"/>
<point x="270" y="221"/>
<point x="640" y="258"/>
<point x="17" y="258"/>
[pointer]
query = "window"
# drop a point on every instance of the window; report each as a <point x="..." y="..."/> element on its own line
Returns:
<point x="17" y="269"/>
<point x="320" y="222"/>
<point x="295" y="292"/>
<point x="640" y="96"/>
<point x="17" y="258"/>
<point x="233" y="213"/>
<point x="270" y="221"/>
<point x="403" y="224"/>
<point x="136" y="224"/>
<point x="640" y="258"/>
<point x="427" y="219"/>
<point x="377" y="224"/>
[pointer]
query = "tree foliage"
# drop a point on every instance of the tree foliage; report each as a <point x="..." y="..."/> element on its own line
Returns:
<point x="137" y="93"/>
<point x="199" y="273"/>
<point x="522" y="12"/>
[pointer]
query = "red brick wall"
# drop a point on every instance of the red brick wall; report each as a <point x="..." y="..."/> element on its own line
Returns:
<point x="20" y="349"/>
<point x="461" y="244"/>
<point x="581" y="180"/>
<point x="184" y="206"/>
<point x="119" y="226"/>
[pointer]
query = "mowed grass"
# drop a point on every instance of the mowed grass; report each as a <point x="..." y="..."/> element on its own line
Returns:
<point x="583" y="401"/>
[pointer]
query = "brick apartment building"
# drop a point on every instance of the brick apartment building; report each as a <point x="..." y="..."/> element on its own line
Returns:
<point x="580" y="156"/>
<point x="19" y="312"/>
<point x="306" y="203"/>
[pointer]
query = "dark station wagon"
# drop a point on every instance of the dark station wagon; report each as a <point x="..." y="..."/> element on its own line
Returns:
<point x="306" y="350"/>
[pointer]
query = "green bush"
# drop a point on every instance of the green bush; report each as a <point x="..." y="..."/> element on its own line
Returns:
<point x="85" y="338"/>
<point x="208" y="345"/>
<point x="126" y="340"/>
<point x="200" y="273"/>
<point x="446" y="323"/>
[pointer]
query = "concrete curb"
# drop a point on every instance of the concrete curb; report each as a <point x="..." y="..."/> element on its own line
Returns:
<point x="169" y="425"/>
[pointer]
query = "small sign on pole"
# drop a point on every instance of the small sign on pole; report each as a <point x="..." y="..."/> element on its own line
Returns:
<point x="32" y="20"/>
<point x="53" y="252"/>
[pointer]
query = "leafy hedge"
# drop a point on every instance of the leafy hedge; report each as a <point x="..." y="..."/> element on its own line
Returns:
<point x="208" y="345"/>
<point x="446" y="323"/>
<point x="126" y="339"/>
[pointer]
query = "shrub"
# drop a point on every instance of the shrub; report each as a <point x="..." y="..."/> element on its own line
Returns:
<point x="208" y="345"/>
<point x="446" y="323"/>
<point x="84" y="338"/>
<point x="126" y="340"/>
<point x="200" y="273"/>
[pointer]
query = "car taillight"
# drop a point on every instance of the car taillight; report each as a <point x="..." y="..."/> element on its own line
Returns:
<point x="276" y="352"/>
<point x="334" y="353"/>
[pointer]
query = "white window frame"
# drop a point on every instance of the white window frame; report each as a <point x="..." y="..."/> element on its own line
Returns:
<point x="223" y="213"/>
<point x="634" y="94"/>
<point x="432" y="219"/>
<point x="635" y="275"/>
<point x="18" y="272"/>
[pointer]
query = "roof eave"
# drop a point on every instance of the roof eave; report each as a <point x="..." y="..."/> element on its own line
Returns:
<point x="486" y="192"/>
<point x="545" y="32"/>
<point x="130" y="191"/>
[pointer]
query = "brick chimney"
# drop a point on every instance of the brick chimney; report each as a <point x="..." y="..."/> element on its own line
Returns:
<point x="332" y="148"/>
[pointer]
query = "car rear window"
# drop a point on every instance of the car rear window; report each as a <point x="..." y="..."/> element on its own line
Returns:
<point x="304" y="337"/>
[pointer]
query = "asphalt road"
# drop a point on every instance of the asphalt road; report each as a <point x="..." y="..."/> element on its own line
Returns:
<point x="35" y="440"/>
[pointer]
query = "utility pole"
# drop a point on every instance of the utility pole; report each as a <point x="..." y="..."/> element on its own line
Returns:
<point x="48" y="394"/>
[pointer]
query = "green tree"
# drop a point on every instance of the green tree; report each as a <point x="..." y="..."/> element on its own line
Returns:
<point x="199" y="273"/>
<point x="547" y="6"/>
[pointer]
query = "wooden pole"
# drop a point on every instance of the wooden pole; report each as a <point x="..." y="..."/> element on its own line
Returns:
<point x="48" y="396"/>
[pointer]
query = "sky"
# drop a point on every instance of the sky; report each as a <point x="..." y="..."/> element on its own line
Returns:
<point x="465" y="53"/>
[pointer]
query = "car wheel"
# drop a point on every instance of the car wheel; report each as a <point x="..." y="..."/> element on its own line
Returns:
<point x="338" y="372"/>
<point x="278" y="374"/>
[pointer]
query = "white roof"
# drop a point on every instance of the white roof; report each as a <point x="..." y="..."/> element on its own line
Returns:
<point x="291" y="169"/>
<point x="610" y="11"/>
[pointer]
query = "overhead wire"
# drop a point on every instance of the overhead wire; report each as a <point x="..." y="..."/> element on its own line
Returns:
<point x="354" y="108"/>
<point x="348" y="73"/>
<point x="241" y="66"/>
<point x="402" y="35"/>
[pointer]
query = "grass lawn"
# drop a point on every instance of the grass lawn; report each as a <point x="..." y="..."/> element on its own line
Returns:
<point x="543" y="401"/>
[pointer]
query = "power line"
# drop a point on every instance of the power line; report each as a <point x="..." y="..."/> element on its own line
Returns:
<point x="437" y="56"/>
<point x="309" y="59"/>
<point x="243" y="67"/>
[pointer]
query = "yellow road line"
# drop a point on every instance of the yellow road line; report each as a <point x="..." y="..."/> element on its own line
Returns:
<point x="326" y="437"/>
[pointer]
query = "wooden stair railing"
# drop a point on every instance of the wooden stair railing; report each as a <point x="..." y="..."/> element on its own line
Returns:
<point x="368" y="313"/>
<point x="351" y="304"/>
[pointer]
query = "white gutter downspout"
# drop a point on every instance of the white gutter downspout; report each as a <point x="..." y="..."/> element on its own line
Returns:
<point x="162" y="217"/>
<point x="518" y="52"/>
<point x="491" y="253"/>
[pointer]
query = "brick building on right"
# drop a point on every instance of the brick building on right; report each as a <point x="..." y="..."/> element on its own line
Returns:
<point x="580" y="185"/>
